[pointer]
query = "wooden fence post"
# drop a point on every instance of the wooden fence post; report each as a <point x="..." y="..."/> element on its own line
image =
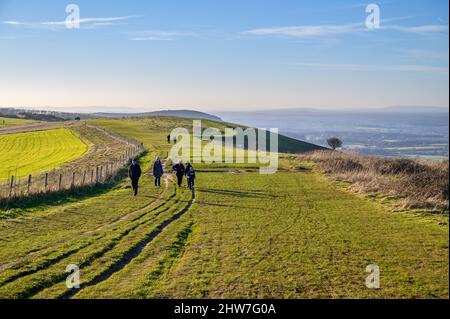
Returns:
<point x="11" y="186"/>
<point x="96" y="175"/>
<point x="46" y="182"/>
<point x="29" y="184"/>
<point x="92" y="176"/>
<point x="60" y="181"/>
<point x="84" y="178"/>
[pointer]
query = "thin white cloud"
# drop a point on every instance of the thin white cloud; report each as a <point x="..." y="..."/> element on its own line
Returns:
<point x="316" y="31"/>
<point x="89" y="20"/>
<point x="431" y="28"/>
<point x="422" y="54"/>
<point x="371" y="68"/>
<point x="85" y="23"/>
<point x="158" y="35"/>
<point x="308" y="31"/>
<point x="420" y="68"/>
<point x="14" y="22"/>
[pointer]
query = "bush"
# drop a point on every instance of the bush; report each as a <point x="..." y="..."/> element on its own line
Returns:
<point x="419" y="184"/>
<point x="398" y="166"/>
<point x="341" y="165"/>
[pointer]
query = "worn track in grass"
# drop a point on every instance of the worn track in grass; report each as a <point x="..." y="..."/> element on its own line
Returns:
<point x="134" y="252"/>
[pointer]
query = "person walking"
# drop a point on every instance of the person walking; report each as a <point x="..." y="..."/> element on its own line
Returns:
<point x="158" y="171"/>
<point x="188" y="167"/>
<point x="174" y="140"/>
<point x="179" y="170"/>
<point x="168" y="139"/>
<point x="191" y="178"/>
<point x="134" y="173"/>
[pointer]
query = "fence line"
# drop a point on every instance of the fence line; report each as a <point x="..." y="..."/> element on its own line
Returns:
<point x="65" y="179"/>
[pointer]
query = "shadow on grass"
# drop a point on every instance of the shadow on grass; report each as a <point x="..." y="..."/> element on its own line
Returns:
<point x="204" y="203"/>
<point x="250" y="194"/>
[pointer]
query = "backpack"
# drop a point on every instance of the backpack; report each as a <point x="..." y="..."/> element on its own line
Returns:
<point x="191" y="173"/>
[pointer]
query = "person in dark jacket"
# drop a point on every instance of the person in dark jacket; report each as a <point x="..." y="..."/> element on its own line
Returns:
<point x="179" y="170"/>
<point x="191" y="178"/>
<point x="168" y="139"/>
<point x="188" y="167"/>
<point x="135" y="173"/>
<point x="158" y="172"/>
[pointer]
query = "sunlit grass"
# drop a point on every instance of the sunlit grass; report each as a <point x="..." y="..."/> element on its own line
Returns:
<point x="36" y="152"/>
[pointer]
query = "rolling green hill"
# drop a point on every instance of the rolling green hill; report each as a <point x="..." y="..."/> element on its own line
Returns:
<point x="294" y="234"/>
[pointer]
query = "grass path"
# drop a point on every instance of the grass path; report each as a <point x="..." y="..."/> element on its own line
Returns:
<point x="294" y="234"/>
<point x="291" y="235"/>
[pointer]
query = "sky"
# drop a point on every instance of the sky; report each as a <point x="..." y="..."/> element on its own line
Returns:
<point x="227" y="55"/>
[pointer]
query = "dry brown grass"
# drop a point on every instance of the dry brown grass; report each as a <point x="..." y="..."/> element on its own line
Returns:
<point x="418" y="184"/>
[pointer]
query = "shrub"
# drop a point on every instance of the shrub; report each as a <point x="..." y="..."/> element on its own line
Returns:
<point x="420" y="184"/>
<point x="398" y="166"/>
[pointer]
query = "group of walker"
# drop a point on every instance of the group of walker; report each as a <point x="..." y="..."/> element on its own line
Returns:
<point x="180" y="170"/>
<point x="187" y="171"/>
<point x="169" y="139"/>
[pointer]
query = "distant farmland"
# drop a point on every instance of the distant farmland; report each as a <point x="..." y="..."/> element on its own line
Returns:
<point x="6" y="121"/>
<point x="35" y="152"/>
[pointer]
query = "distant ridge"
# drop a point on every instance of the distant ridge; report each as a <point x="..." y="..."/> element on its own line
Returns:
<point x="343" y="110"/>
<point x="416" y="109"/>
<point x="177" y="113"/>
<point x="53" y="115"/>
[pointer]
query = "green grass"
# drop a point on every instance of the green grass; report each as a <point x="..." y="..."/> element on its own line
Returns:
<point x="286" y="236"/>
<point x="7" y="122"/>
<point x="36" y="152"/>
<point x="294" y="234"/>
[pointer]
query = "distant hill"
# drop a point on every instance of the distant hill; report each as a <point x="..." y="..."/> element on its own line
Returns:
<point x="42" y="115"/>
<point x="52" y="115"/>
<point x="177" y="113"/>
<point x="416" y="109"/>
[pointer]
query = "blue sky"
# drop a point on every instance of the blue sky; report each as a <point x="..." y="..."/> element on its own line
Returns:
<point x="223" y="55"/>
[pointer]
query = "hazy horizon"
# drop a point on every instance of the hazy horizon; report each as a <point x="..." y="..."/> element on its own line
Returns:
<point x="131" y="110"/>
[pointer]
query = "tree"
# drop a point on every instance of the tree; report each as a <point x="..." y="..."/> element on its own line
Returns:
<point x="334" y="143"/>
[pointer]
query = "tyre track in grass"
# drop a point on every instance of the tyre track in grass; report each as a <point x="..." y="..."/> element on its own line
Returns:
<point x="61" y="256"/>
<point x="54" y="279"/>
<point x="167" y="180"/>
<point x="132" y="253"/>
<point x="49" y="262"/>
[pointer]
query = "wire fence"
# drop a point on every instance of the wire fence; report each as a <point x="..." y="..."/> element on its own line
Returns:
<point x="66" y="179"/>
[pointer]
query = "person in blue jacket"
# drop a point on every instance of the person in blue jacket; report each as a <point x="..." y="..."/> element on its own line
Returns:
<point x="158" y="171"/>
<point x="191" y="177"/>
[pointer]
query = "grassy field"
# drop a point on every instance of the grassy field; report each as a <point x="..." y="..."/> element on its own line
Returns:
<point x="295" y="234"/>
<point x="7" y="122"/>
<point x="286" y="235"/>
<point x="35" y="152"/>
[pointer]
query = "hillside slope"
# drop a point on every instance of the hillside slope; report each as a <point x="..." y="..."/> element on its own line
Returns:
<point x="294" y="234"/>
<point x="176" y="113"/>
